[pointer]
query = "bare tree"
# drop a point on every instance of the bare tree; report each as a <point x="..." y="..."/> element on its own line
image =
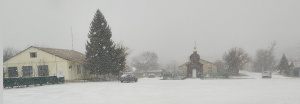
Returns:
<point x="9" y="52"/>
<point x="146" y="61"/>
<point x="235" y="59"/>
<point x="265" y="59"/>
<point x="220" y="65"/>
<point x="171" y="65"/>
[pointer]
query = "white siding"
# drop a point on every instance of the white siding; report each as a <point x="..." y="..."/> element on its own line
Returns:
<point x="43" y="58"/>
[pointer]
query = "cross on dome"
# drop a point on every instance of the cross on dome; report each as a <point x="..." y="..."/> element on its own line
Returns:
<point x="195" y="47"/>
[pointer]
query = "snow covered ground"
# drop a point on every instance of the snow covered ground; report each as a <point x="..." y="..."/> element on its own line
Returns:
<point x="251" y="90"/>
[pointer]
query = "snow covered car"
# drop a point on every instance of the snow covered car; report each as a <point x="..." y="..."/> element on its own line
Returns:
<point x="151" y="75"/>
<point x="266" y="74"/>
<point x="128" y="78"/>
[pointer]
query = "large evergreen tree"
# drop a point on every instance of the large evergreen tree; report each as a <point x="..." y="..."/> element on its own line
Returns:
<point x="120" y="58"/>
<point x="283" y="66"/>
<point x="100" y="49"/>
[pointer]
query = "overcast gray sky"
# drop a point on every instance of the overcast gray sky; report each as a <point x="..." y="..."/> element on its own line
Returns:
<point x="167" y="27"/>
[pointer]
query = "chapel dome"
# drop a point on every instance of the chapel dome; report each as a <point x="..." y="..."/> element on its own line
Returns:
<point x="195" y="57"/>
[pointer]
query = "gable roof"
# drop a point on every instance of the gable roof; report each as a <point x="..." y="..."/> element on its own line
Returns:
<point x="199" y="61"/>
<point x="207" y="61"/>
<point x="70" y="55"/>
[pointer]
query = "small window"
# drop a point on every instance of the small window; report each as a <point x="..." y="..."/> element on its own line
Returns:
<point x="27" y="71"/>
<point x="210" y="70"/>
<point x="32" y="54"/>
<point x="79" y="71"/>
<point x="43" y="70"/>
<point x="12" y="72"/>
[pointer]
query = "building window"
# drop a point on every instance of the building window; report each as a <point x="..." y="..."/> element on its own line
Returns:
<point x="32" y="54"/>
<point x="43" y="70"/>
<point x="27" y="71"/>
<point x="12" y="72"/>
<point x="210" y="70"/>
<point x="79" y="71"/>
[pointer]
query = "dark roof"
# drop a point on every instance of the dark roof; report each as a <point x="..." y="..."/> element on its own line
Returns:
<point x="70" y="55"/>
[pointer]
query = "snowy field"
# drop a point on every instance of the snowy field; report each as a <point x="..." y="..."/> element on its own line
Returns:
<point x="252" y="90"/>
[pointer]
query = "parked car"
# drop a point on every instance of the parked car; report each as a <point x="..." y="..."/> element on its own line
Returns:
<point x="128" y="78"/>
<point x="151" y="75"/>
<point x="266" y="74"/>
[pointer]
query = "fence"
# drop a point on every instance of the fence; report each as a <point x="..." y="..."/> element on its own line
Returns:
<point x="11" y="82"/>
<point x="174" y="75"/>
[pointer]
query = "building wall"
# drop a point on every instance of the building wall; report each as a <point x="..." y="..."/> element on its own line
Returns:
<point x="77" y="73"/>
<point x="206" y="66"/>
<point x="182" y="68"/>
<point x="55" y="64"/>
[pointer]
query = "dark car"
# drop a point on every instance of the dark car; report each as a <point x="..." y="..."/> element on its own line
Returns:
<point x="128" y="78"/>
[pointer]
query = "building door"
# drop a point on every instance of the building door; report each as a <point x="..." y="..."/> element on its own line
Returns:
<point x="72" y="73"/>
<point x="194" y="73"/>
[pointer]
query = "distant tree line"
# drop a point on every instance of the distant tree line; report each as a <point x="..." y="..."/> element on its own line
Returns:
<point x="265" y="61"/>
<point x="236" y="59"/>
